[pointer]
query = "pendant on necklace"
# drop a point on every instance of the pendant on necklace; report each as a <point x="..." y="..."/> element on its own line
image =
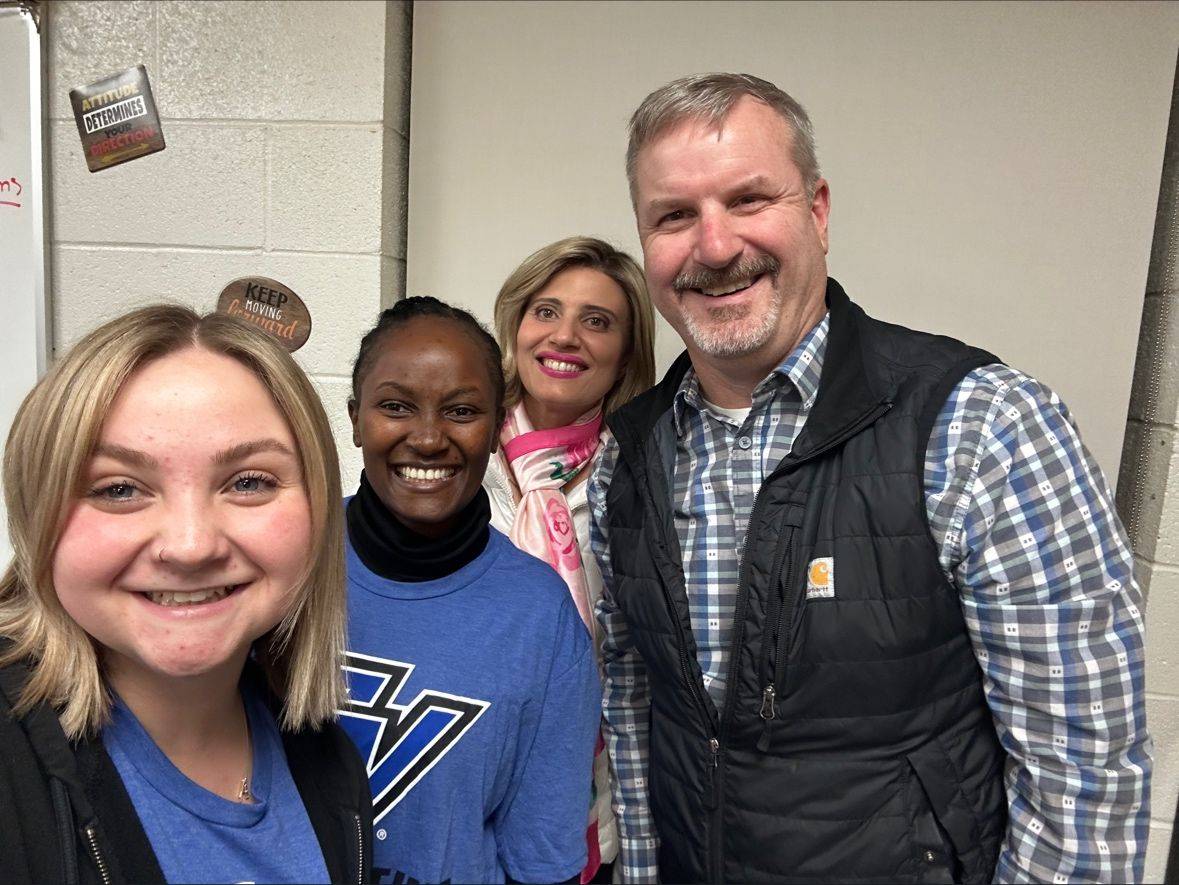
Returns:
<point x="243" y="791"/>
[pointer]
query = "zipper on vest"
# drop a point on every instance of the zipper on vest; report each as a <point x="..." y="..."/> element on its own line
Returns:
<point x="99" y="861"/>
<point x="359" y="849"/>
<point x="781" y="644"/>
<point x="716" y="837"/>
<point x="772" y="652"/>
<point x="713" y="779"/>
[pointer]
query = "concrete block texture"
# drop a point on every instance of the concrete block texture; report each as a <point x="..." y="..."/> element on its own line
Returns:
<point x="394" y="193"/>
<point x="393" y="281"/>
<point x="1162" y="628"/>
<point x="1127" y="498"/>
<point x="272" y="60"/>
<point x="1162" y="719"/>
<point x="1163" y="276"/>
<point x="1164" y="252"/>
<point x="341" y="292"/>
<point x="1156" y="365"/>
<point x="398" y="59"/>
<point x="92" y="39"/>
<point x="1148" y="497"/>
<point x="334" y="393"/>
<point x="325" y="188"/>
<point x="206" y="188"/>
<point x="1156" y="853"/>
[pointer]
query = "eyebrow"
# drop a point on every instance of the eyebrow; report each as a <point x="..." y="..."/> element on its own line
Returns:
<point x="254" y="447"/>
<point x="126" y="455"/>
<point x="450" y="394"/>
<point x="225" y="456"/>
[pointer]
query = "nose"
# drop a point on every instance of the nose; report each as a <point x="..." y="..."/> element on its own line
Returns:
<point x="565" y="333"/>
<point x="717" y="242"/>
<point x="192" y="536"/>
<point x="426" y="437"/>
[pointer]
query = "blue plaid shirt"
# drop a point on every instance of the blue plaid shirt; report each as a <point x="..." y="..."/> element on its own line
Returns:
<point x="1026" y="530"/>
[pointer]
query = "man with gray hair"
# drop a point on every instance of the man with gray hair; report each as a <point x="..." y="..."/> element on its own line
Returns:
<point x="869" y="613"/>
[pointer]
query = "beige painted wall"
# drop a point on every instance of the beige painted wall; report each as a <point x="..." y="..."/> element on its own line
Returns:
<point x="994" y="167"/>
<point x="287" y="141"/>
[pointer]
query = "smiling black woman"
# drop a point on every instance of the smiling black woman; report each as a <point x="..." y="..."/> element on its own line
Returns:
<point x="473" y="687"/>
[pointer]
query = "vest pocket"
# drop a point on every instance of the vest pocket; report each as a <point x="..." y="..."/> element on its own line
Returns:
<point x="783" y="597"/>
<point x="949" y="812"/>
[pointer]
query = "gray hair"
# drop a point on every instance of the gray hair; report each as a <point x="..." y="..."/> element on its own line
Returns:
<point x="710" y="98"/>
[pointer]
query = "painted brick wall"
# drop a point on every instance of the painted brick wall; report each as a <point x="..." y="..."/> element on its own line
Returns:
<point x="1148" y="499"/>
<point x="287" y="128"/>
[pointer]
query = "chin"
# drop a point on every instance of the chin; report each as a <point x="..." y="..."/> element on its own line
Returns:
<point x="188" y="660"/>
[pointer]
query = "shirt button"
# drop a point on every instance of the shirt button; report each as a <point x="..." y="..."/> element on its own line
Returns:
<point x="744" y="442"/>
<point x="930" y="857"/>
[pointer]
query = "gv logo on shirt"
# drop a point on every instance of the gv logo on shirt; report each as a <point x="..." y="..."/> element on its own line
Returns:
<point x="400" y="743"/>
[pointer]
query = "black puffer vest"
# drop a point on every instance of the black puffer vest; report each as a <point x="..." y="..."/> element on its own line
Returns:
<point x="855" y="743"/>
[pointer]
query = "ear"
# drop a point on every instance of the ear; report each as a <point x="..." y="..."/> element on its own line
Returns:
<point x="353" y="416"/>
<point x="821" y="210"/>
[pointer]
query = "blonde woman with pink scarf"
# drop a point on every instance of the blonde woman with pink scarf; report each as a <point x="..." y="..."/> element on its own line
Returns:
<point x="576" y="329"/>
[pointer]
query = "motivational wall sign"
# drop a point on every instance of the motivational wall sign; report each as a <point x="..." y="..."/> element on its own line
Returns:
<point x="117" y="119"/>
<point x="270" y="306"/>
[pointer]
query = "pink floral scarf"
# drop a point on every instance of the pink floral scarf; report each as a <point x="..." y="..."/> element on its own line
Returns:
<point x="542" y="461"/>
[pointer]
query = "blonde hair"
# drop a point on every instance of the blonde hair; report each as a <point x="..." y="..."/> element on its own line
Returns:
<point x="535" y="273"/>
<point x="50" y="443"/>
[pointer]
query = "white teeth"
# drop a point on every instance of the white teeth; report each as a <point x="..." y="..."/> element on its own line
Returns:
<point x="425" y="474"/>
<point x="730" y="290"/>
<point x="561" y="365"/>
<point x="191" y="597"/>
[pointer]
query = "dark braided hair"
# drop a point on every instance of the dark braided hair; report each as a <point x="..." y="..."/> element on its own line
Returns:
<point x="427" y="306"/>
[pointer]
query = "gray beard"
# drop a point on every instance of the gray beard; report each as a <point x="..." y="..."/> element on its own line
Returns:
<point x="731" y="332"/>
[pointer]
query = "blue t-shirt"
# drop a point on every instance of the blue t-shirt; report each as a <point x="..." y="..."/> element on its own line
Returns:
<point x="474" y="700"/>
<point x="198" y="836"/>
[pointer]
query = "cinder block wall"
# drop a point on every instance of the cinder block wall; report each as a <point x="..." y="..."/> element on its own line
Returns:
<point x="287" y="129"/>
<point x="1148" y="499"/>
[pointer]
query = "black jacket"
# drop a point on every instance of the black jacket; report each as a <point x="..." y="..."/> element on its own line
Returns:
<point x="66" y="817"/>
<point x="855" y="743"/>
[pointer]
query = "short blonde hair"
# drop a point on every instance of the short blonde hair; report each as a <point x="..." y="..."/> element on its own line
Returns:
<point x="535" y="273"/>
<point x="50" y="443"/>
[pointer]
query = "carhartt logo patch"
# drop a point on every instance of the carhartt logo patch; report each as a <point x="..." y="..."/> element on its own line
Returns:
<point x="820" y="578"/>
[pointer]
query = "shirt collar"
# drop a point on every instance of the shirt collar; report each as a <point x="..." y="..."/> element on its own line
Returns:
<point x="801" y="370"/>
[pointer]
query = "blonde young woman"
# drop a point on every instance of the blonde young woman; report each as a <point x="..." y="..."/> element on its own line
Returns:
<point x="171" y="624"/>
<point x="576" y="329"/>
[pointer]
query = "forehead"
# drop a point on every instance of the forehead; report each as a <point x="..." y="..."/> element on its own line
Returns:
<point x="192" y="397"/>
<point x="753" y="139"/>
<point x="431" y="355"/>
<point x="584" y="286"/>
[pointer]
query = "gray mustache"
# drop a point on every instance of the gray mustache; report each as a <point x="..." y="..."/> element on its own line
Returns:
<point x="718" y="278"/>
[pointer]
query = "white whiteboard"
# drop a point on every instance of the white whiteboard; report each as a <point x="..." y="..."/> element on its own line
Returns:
<point x="24" y="335"/>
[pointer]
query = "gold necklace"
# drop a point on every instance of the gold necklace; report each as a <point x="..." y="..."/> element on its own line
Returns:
<point x="243" y="789"/>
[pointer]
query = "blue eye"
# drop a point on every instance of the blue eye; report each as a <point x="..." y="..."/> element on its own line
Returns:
<point x="253" y="483"/>
<point x="115" y="491"/>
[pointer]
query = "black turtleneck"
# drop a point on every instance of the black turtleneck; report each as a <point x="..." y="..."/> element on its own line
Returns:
<point x="391" y="550"/>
